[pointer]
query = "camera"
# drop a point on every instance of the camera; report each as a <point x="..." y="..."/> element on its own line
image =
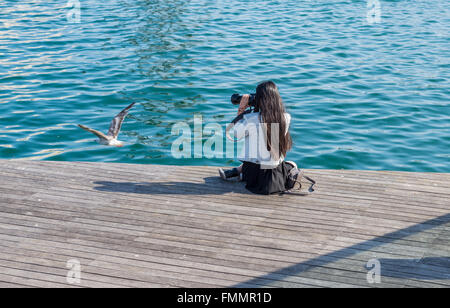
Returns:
<point x="236" y="99"/>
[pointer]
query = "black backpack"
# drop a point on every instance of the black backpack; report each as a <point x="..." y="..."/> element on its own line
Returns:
<point x="294" y="182"/>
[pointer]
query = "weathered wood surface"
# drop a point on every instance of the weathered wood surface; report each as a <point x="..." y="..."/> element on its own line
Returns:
<point x="170" y="226"/>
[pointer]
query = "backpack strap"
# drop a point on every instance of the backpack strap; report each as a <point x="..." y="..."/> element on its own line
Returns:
<point x="298" y="180"/>
<point x="311" y="188"/>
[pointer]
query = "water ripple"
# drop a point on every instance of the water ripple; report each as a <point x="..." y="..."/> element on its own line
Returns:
<point x="362" y="96"/>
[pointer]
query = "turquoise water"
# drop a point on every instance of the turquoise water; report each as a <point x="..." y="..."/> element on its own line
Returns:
<point x="362" y="96"/>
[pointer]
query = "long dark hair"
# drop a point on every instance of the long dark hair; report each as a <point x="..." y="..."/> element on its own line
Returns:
<point x="271" y="109"/>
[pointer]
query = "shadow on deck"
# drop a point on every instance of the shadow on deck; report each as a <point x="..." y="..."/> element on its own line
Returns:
<point x="435" y="268"/>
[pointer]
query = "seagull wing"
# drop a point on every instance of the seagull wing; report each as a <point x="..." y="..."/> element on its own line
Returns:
<point x="116" y="123"/>
<point x="95" y="132"/>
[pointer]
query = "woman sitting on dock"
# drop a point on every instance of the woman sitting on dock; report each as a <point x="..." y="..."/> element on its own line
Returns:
<point x="267" y="140"/>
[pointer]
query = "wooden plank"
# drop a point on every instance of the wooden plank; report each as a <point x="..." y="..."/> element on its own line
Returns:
<point x="335" y="197"/>
<point x="321" y="196"/>
<point x="276" y="244"/>
<point x="192" y="232"/>
<point x="371" y="220"/>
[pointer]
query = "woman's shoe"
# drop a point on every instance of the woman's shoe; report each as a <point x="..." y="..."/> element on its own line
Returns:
<point x="228" y="174"/>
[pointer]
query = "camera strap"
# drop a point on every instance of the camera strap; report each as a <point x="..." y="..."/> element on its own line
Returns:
<point x="234" y="122"/>
<point x="241" y="116"/>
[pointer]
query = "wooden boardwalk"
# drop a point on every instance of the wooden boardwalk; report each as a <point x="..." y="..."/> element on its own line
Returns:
<point x="167" y="226"/>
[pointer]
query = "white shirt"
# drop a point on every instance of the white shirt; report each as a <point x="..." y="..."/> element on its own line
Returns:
<point x="254" y="147"/>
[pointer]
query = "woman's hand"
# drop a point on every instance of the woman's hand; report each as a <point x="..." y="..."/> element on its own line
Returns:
<point x="244" y="103"/>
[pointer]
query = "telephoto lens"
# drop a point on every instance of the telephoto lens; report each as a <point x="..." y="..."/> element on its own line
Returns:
<point x="236" y="99"/>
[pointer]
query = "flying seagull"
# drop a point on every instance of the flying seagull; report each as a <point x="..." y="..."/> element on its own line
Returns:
<point x="114" y="129"/>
